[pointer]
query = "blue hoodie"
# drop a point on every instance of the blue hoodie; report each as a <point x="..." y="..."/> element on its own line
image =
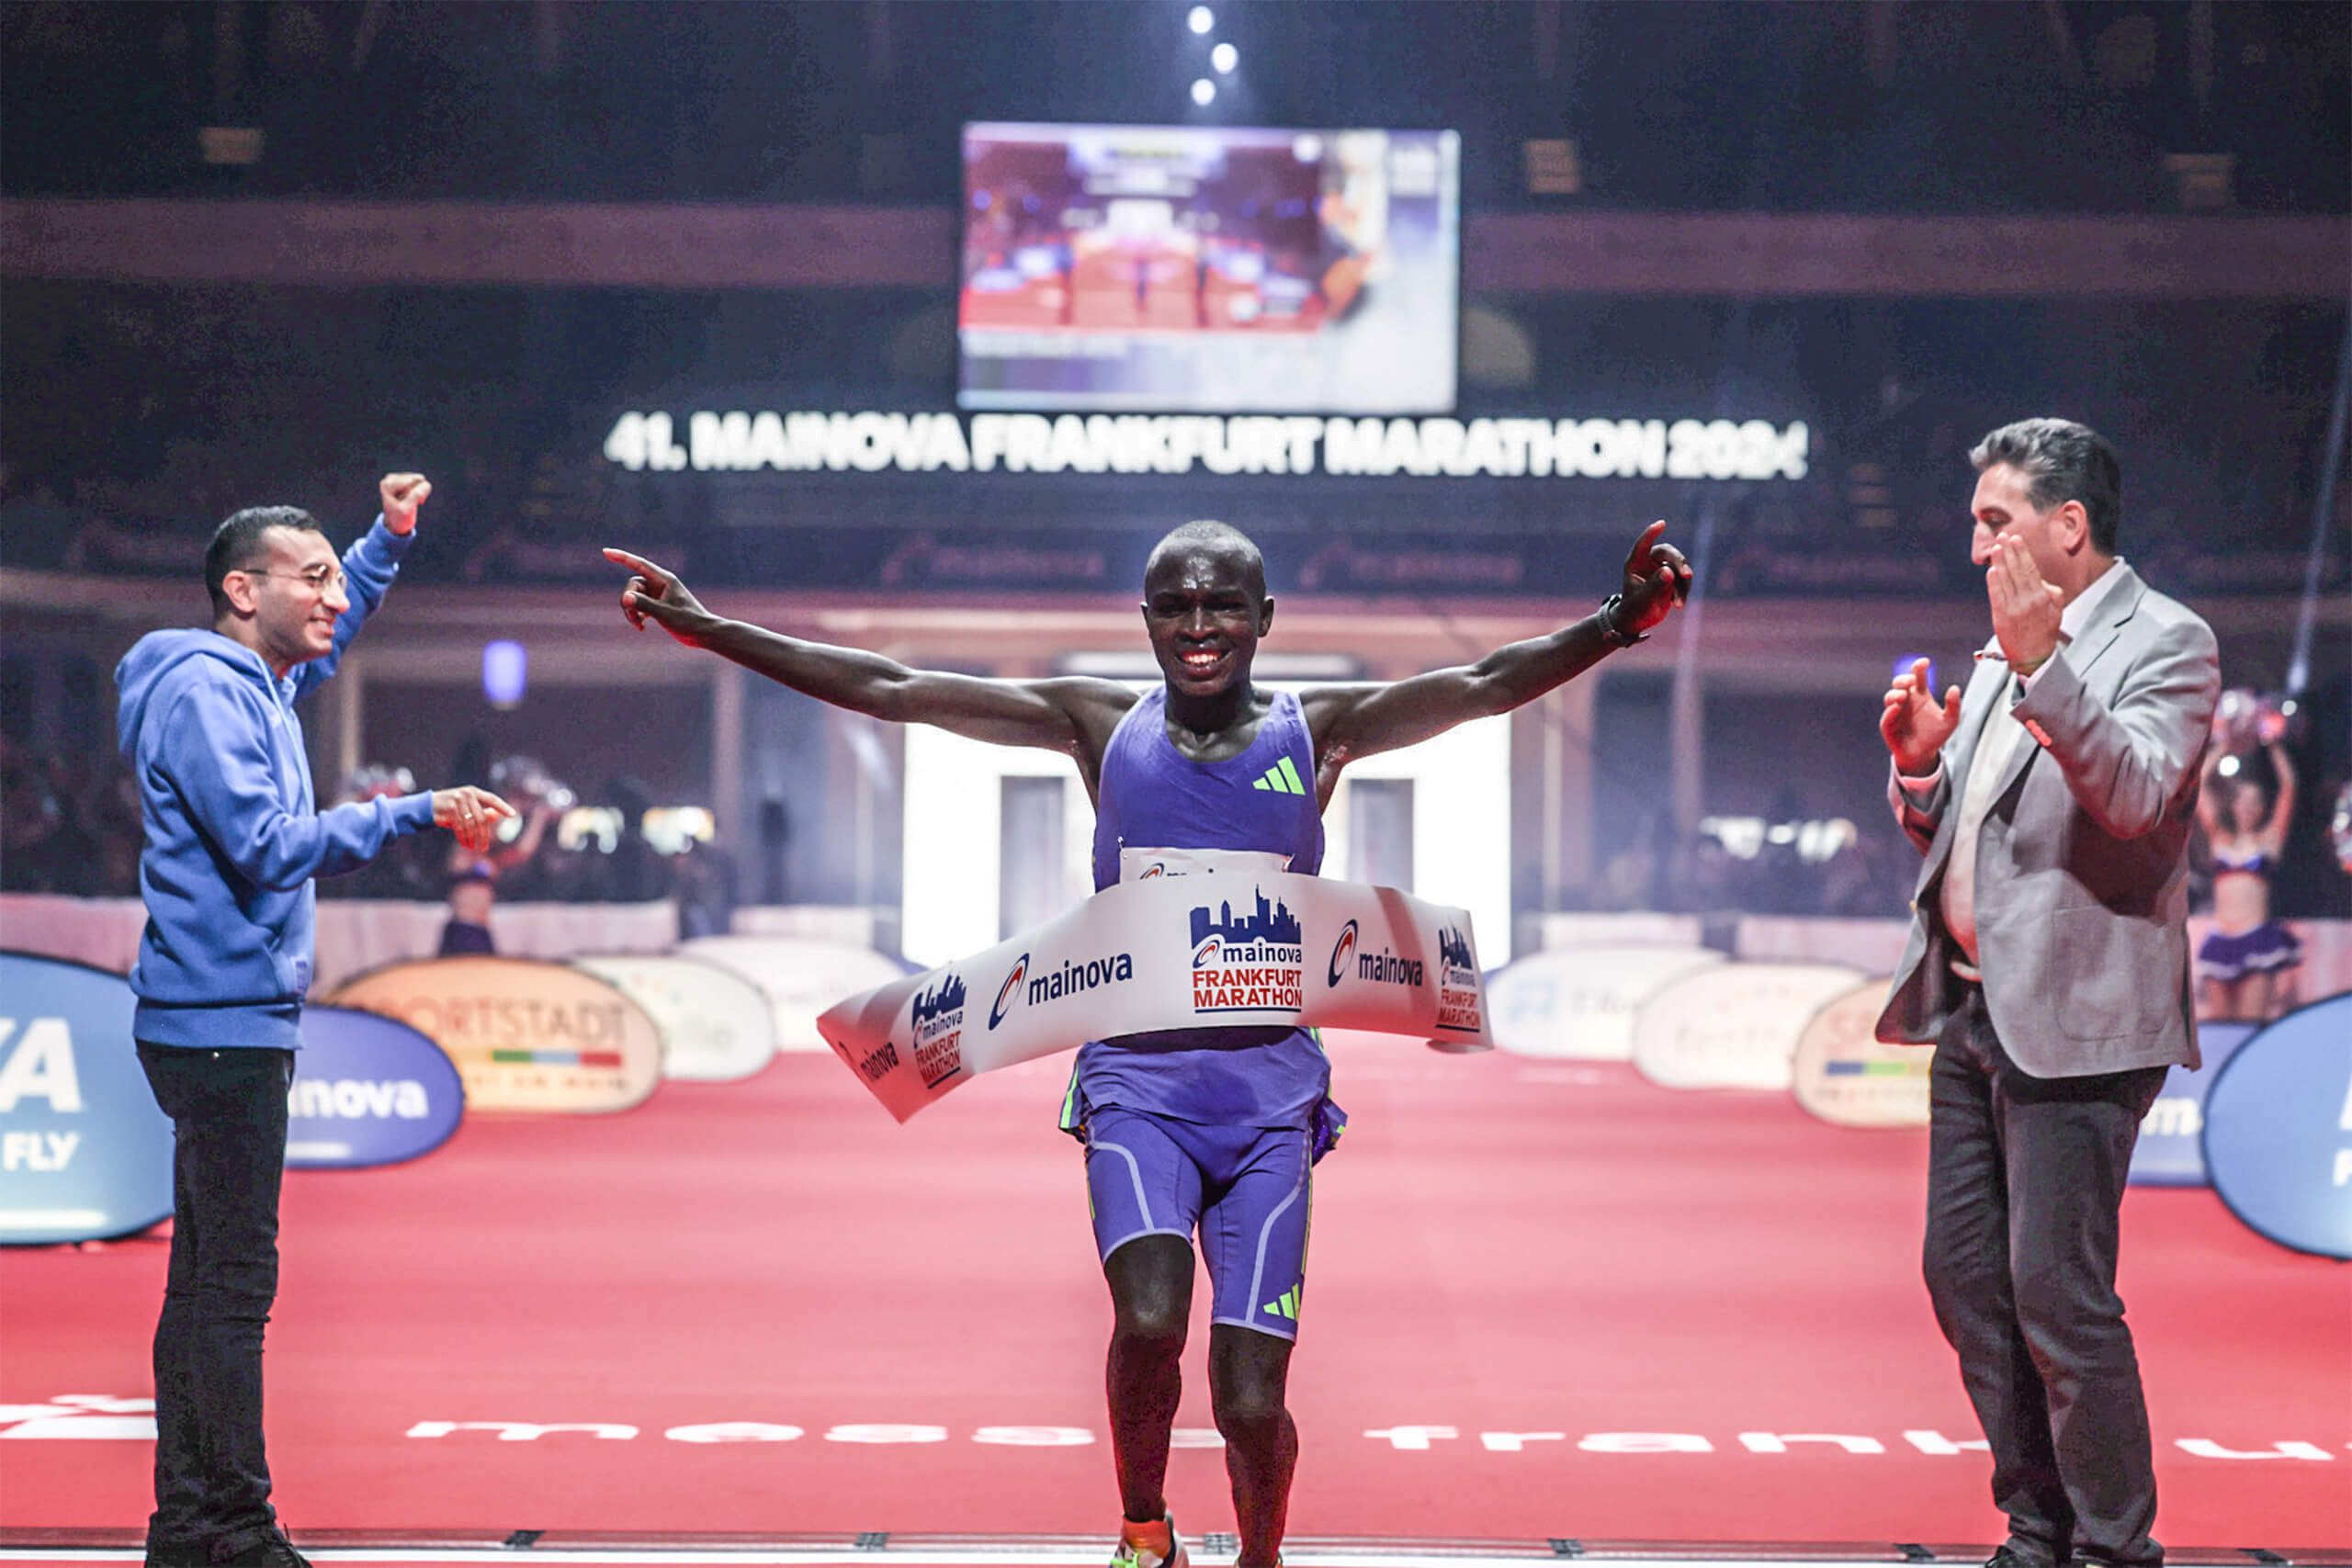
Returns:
<point x="234" y="833"/>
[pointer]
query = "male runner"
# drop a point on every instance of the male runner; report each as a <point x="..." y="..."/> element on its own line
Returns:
<point x="1213" y="1129"/>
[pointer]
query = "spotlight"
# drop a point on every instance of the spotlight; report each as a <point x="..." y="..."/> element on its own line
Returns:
<point x="1200" y="18"/>
<point x="1205" y="92"/>
<point x="2229" y="768"/>
<point x="504" y="673"/>
<point x="1225" y="57"/>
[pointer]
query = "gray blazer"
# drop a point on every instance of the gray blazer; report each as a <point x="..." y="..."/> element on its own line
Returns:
<point x="2081" y="865"/>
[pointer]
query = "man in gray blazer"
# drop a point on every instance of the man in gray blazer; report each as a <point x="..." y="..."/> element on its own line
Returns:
<point x="2049" y="966"/>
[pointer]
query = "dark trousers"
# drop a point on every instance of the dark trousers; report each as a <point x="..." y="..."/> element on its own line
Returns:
<point x="2025" y="1180"/>
<point x="228" y="1111"/>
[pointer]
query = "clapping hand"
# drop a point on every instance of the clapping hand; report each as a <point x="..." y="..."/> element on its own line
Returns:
<point x="2026" y="606"/>
<point x="1914" y="724"/>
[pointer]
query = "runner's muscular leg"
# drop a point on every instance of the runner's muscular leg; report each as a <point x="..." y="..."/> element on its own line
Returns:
<point x="1249" y="1372"/>
<point x="1151" y="1301"/>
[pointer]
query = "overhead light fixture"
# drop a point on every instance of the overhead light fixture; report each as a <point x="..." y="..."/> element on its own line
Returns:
<point x="506" y="669"/>
<point x="1225" y="57"/>
<point x="1201" y="19"/>
<point x="1204" y="92"/>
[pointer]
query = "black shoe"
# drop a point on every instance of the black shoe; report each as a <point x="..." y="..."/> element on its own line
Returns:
<point x="178" y="1554"/>
<point x="272" y="1551"/>
<point x="2010" y="1557"/>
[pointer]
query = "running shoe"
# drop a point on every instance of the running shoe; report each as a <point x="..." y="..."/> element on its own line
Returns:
<point x="1150" y="1546"/>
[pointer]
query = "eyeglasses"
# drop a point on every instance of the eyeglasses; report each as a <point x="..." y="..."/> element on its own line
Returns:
<point x="318" y="579"/>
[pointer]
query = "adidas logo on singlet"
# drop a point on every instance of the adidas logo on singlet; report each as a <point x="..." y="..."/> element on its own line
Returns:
<point x="1281" y="778"/>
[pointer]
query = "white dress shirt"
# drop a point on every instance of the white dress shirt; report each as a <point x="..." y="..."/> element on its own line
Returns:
<point x="1994" y="746"/>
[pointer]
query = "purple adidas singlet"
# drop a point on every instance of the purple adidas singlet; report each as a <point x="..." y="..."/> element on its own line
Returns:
<point x="1152" y="796"/>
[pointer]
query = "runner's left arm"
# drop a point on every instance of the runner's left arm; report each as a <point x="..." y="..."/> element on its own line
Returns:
<point x="1348" y="722"/>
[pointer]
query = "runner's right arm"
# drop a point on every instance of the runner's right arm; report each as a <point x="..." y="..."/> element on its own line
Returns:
<point x="1071" y="715"/>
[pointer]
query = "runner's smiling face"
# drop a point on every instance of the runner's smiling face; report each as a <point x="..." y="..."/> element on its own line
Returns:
<point x="1205" y="608"/>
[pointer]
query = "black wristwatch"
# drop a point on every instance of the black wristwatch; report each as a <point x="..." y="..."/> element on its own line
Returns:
<point x="1610" y="631"/>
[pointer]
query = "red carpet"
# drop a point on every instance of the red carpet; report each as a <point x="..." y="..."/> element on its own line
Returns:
<point x="1503" y="1247"/>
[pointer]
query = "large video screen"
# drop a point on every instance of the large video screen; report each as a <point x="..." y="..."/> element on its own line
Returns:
<point x="1209" y="269"/>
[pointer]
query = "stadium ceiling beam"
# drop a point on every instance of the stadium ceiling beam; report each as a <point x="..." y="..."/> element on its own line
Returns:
<point x="678" y="246"/>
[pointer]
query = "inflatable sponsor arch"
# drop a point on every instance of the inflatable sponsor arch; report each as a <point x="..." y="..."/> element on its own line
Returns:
<point x="1844" y="1073"/>
<point x="1733" y="1025"/>
<point x="2277" y="1130"/>
<point x="1579" y="1002"/>
<point x="717" y="1026"/>
<point x="801" y="976"/>
<point x="85" y="1152"/>
<point x="368" y="1091"/>
<point x="527" y="1035"/>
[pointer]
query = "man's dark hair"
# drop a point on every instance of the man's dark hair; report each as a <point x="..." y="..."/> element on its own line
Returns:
<point x="237" y="545"/>
<point x="2061" y="461"/>
<point x="1220" y="538"/>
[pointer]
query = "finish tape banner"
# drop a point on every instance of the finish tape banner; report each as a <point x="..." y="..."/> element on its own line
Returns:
<point x="1250" y="950"/>
<point x="526" y="1036"/>
<point x="84" y="1151"/>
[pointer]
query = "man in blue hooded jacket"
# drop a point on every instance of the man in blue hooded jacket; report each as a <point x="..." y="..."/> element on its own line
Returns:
<point x="233" y="836"/>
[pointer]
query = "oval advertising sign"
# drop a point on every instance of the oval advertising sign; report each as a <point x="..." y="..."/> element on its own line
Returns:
<point x="1579" y="1001"/>
<point x="716" y="1026"/>
<point x="84" y="1151"/>
<point x="800" y="976"/>
<point x="526" y="1036"/>
<point x="1844" y="1075"/>
<point x="368" y="1091"/>
<point x="2171" y="1150"/>
<point x="1734" y="1026"/>
<point x="2278" y="1130"/>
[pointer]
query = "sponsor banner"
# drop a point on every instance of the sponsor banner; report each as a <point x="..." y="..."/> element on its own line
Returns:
<point x="526" y="1036"/>
<point x="1874" y="943"/>
<point x="86" y="1417"/>
<point x="716" y="1025"/>
<point x="368" y="1091"/>
<point x="1579" y="1002"/>
<point x="84" y="1151"/>
<point x="1734" y="1025"/>
<point x="2278" y="1130"/>
<point x="2171" y="1150"/>
<point x="1242" y="949"/>
<point x="1848" y="1077"/>
<point x="800" y="976"/>
<point x="872" y="441"/>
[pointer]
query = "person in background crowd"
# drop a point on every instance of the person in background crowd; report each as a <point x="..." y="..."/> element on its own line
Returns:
<point x="705" y="885"/>
<point x="2245" y="964"/>
<point x="2049" y="966"/>
<point x="471" y="897"/>
<point x="232" y="840"/>
<point x="1211" y="1130"/>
